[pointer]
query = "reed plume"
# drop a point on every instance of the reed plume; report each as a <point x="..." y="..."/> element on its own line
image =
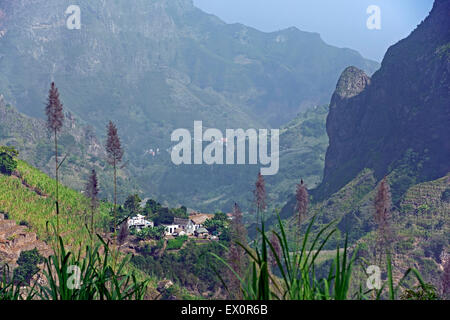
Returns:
<point x="260" y="195"/>
<point x="55" y="121"/>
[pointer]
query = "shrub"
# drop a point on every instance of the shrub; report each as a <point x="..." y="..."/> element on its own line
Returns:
<point x="175" y="244"/>
<point x="24" y="223"/>
<point x="28" y="261"/>
<point x="7" y="160"/>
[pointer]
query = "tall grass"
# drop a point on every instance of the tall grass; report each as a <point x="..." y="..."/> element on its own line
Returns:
<point x="294" y="275"/>
<point x="96" y="280"/>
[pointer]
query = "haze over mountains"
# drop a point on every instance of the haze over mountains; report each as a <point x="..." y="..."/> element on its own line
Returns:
<point x="158" y="65"/>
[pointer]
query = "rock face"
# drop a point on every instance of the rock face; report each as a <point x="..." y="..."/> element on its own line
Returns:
<point x="400" y="117"/>
<point x="14" y="239"/>
<point x="173" y="51"/>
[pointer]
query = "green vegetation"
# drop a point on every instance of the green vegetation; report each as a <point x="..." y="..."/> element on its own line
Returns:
<point x="156" y="233"/>
<point x="218" y="224"/>
<point x="8" y="162"/>
<point x="28" y="261"/>
<point x="192" y="267"/>
<point x="291" y="272"/>
<point x="177" y="243"/>
<point x="94" y="278"/>
<point x="30" y="197"/>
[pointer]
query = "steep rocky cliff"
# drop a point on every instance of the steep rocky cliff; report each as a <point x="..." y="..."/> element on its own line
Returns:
<point x="400" y="118"/>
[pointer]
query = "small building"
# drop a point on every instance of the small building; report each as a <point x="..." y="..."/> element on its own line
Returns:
<point x="171" y="228"/>
<point x="185" y="224"/>
<point x="139" y="222"/>
<point x="199" y="218"/>
<point x="201" y="232"/>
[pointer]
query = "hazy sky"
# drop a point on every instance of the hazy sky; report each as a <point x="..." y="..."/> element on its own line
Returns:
<point x="340" y="22"/>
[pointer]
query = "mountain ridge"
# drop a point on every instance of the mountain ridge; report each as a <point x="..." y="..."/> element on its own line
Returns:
<point x="402" y="110"/>
<point x="157" y="66"/>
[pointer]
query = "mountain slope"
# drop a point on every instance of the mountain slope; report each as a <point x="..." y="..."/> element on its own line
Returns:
<point x="77" y="141"/>
<point x="29" y="195"/>
<point x="158" y="65"/>
<point x="27" y="203"/>
<point x="400" y="116"/>
<point x="167" y="54"/>
<point x="419" y="224"/>
<point x="394" y="124"/>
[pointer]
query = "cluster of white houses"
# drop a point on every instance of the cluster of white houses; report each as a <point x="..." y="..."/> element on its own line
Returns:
<point x="191" y="226"/>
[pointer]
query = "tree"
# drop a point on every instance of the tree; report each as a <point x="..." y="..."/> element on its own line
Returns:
<point x="156" y="233"/>
<point x="152" y="205"/>
<point x="8" y="162"/>
<point x="27" y="266"/>
<point x="163" y="216"/>
<point x="115" y="153"/>
<point x="133" y="204"/>
<point x="55" y="120"/>
<point x="92" y="191"/>
<point x="218" y="223"/>
<point x="219" y="215"/>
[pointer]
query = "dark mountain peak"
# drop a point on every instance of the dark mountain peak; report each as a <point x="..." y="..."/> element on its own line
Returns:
<point x="399" y="118"/>
<point x="437" y="3"/>
<point x="351" y="83"/>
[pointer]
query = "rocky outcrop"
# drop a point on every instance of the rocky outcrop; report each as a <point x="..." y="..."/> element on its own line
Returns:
<point x="400" y="117"/>
<point x="14" y="239"/>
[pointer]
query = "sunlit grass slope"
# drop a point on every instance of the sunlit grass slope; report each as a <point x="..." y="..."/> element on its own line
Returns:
<point x="29" y="196"/>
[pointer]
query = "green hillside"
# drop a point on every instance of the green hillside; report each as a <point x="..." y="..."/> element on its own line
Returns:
<point x="420" y="221"/>
<point x="29" y="195"/>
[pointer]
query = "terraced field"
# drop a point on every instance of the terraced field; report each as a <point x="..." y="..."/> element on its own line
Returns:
<point x="29" y="196"/>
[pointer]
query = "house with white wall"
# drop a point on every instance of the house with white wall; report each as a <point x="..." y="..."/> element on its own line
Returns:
<point x="171" y="228"/>
<point x="139" y="222"/>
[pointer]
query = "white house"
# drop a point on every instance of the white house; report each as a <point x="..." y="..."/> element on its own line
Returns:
<point x="187" y="225"/>
<point x="139" y="222"/>
<point x="170" y="228"/>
